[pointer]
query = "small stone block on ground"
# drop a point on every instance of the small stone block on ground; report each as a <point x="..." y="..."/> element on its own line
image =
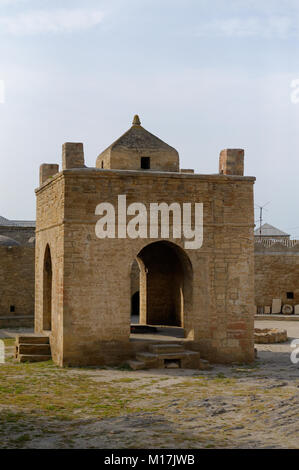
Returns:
<point x="137" y="365"/>
<point x="205" y="365"/>
<point x="276" y="306"/>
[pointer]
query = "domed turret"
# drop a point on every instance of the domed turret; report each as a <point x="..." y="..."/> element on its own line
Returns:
<point x="7" y="241"/>
<point x="138" y="149"/>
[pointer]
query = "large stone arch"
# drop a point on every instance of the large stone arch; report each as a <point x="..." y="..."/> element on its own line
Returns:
<point x="166" y="284"/>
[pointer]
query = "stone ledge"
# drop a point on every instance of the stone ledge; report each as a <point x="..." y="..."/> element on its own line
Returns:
<point x="270" y="335"/>
<point x="17" y="321"/>
<point x="275" y="317"/>
<point x="96" y="172"/>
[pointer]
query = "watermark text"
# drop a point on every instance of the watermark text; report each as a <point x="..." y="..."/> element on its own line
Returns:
<point x="2" y="91"/>
<point x="161" y="220"/>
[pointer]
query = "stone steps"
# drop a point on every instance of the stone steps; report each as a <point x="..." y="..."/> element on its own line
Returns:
<point x="39" y="349"/>
<point x="33" y="358"/>
<point x="32" y="348"/>
<point x="32" y="339"/>
<point x="166" y="348"/>
<point x="149" y="357"/>
<point x="168" y="356"/>
<point x="137" y="365"/>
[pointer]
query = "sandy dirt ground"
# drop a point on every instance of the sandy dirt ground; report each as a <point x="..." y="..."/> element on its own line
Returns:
<point x="236" y="406"/>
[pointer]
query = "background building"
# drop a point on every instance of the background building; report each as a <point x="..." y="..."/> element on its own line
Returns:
<point x="17" y="240"/>
<point x="268" y="232"/>
<point x="276" y="270"/>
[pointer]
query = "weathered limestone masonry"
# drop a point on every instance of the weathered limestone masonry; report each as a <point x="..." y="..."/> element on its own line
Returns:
<point x="83" y="283"/>
<point x="231" y="162"/>
<point x="16" y="284"/>
<point x="16" y="273"/>
<point x="276" y="272"/>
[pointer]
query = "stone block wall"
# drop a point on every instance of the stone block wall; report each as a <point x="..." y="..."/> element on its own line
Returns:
<point x="131" y="159"/>
<point x="276" y="273"/>
<point x="16" y="281"/>
<point x="92" y="279"/>
<point x="231" y="162"/>
<point x="20" y="234"/>
<point x="50" y="232"/>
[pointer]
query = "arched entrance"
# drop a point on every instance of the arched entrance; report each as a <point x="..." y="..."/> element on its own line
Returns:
<point x="47" y="290"/>
<point x="165" y="284"/>
<point x="135" y="304"/>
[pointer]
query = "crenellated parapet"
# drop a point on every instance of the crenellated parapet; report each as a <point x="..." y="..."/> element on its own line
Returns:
<point x="283" y="245"/>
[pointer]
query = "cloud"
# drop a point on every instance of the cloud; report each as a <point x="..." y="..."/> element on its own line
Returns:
<point x="9" y="2"/>
<point x="274" y="26"/>
<point x="54" y="21"/>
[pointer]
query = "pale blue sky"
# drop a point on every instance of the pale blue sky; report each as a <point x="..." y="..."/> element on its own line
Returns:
<point x="203" y="76"/>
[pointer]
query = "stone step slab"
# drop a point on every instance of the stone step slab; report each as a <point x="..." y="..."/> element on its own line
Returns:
<point x="147" y="357"/>
<point x="166" y="348"/>
<point x="43" y="349"/>
<point x="137" y="365"/>
<point x="167" y="358"/>
<point x="32" y="339"/>
<point x="33" y="358"/>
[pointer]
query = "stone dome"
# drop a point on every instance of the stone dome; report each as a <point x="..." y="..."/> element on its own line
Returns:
<point x="7" y="241"/>
<point x="138" y="149"/>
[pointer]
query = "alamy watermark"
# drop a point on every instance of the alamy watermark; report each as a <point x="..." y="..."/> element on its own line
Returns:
<point x="295" y="92"/>
<point x="2" y="352"/>
<point x="2" y="91"/>
<point x="294" y="357"/>
<point x="152" y="223"/>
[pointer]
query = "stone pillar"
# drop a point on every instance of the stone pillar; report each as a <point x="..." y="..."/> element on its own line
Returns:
<point x="231" y="162"/>
<point x="72" y="155"/>
<point x="47" y="170"/>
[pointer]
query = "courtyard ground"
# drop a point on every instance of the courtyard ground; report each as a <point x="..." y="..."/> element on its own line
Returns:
<point x="237" y="406"/>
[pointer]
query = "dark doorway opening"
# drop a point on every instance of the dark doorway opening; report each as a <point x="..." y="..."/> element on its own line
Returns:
<point x="47" y="290"/>
<point x="135" y="299"/>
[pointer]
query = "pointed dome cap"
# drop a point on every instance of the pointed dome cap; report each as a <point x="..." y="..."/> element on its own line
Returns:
<point x="138" y="149"/>
<point x="136" y="121"/>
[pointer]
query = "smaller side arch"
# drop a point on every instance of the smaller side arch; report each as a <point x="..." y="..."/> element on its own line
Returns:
<point x="47" y="289"/>
<point x="135" y="304"/>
